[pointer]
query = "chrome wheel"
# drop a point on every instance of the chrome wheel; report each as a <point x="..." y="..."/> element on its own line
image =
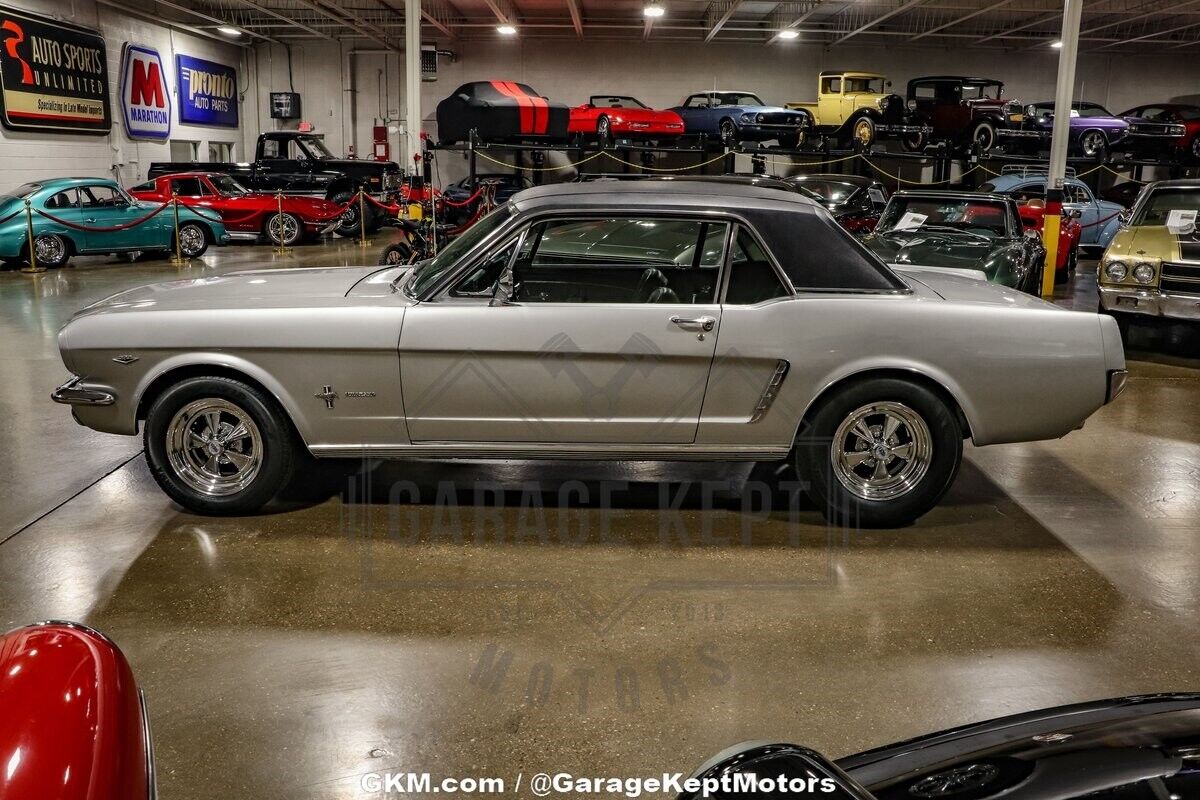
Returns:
<point x="191" y="240"/>
<point x="214" y="447"/>
<point x="864" y="132"/>
<point x="881" y="451"/>
<point x="349" y="218"/>
<point x="728" y="132"/>
<point x="50" y="250"/>
<point x="1092" y="144"/>
<point x="603" y="130"/>
<point x="284" y="229"/>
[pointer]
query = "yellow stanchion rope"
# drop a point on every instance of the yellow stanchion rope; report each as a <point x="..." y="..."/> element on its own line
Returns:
<point x="898" y="179"/>
<point x="662" y="169"/>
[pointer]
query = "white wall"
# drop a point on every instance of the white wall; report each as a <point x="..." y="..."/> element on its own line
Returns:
<point x="29" y="156"/>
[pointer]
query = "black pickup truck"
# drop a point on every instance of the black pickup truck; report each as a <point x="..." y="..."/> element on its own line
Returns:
<point x="300" y="163"/>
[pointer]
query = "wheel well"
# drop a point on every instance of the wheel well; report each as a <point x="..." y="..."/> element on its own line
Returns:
<point x="910" y="376"/>
<point x="174" y="376"/>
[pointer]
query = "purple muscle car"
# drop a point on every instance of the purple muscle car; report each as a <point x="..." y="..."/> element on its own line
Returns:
<point x="1095" y="132"/>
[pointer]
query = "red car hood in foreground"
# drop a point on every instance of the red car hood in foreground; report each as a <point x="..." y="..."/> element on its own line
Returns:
<point x="73" y="721"/>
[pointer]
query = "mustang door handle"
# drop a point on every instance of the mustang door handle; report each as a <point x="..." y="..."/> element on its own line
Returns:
<point x="704" y="323"/>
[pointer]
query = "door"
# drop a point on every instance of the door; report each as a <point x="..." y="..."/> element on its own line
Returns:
<point x="608" y="338"/>
<point x="1078" y="197"/>
<point x="106" y="207"/>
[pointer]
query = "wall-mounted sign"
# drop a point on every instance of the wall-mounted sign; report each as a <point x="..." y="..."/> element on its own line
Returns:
<point x="285" y="105"/>
<point x="207" y="92"/>
<point x="144" y="93"/>
<point x="53" y="76"/>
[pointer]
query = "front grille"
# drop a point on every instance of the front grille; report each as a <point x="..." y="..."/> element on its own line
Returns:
<point x="777" y="119"/>
<point x="1153" y="129"/>
<point x="1180" y="278"/>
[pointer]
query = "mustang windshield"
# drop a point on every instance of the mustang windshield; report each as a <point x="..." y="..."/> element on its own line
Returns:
<point x="432" y="270"/>
<point x="734" y="99"/>
<point x="982" y="218"/>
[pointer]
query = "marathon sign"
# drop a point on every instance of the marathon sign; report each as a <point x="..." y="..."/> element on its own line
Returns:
<point x="207" y="92"/>
<point x="53" y="76"/>
<point x="144" y="93"/>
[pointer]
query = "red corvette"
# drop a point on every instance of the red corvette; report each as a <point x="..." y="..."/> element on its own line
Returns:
<point x="608" y="117"/>
<point x="75" y="723"/>
<point x="1069" y="233"/>
<point x="246" y="214"/>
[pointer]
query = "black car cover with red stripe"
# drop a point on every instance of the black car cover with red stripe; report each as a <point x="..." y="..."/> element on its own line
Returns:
<point x="500" y="111"/>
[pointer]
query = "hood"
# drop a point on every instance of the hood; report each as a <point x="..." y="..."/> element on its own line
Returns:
<point x="1145" y="241"/>
<point x="967" y="288"/>
<point x="274" y="288"/>
<point x="938" y="250"/>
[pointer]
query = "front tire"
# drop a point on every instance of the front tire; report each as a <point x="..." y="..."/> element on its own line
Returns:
<point x="1094" y="145"/>
<point x="984" y="136"/>
<point x="193" y="240"/>
<point x="604" y="132"/>
<point x="283" y="229"/>
<point x="218" y="446"/>
<point x="879" y="452"/>
<point x="728" y="132"/>
<point x="862" y="133"/>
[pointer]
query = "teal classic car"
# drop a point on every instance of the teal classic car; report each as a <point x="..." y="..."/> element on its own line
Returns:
<point x="86" y="216"/>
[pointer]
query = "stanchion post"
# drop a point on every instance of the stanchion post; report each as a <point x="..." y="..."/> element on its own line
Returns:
<point x="281" y="248"/>
<point x="33" y="265"/>
<point x="178" y="257"/>
<point x="362" y="221"/>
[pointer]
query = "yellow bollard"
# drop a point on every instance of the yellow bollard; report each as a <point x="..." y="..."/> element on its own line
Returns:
<point x="281" y="248"/>
<point x="1050" y="230"/>
<point x="33" y="268"/>
<point x="178" y="257"/>
<point x="362" y="221"/>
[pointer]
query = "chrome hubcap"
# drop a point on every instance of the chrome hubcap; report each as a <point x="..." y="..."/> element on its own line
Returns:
<point x="48" y="249"/>
<point x="1092" y="143"/>
<point x="214" y="447"/>
<point x="881" y="451"/>
<point x="349" y="217"/>
<point x="283" y="227"/>
<point x="863" y="132"/>
<point x="603" y="130"/>
<point x="191" y="239"/>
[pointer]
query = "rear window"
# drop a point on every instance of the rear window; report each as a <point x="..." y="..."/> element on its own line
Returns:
<point x="23" y="191"/>
<point x="818" y="255"/>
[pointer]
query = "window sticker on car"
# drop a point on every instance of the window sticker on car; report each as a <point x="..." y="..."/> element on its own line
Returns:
<point x="1181" y="221"/>
<point x="1074" y="112"/>
<point x="876" y="195"/>
<point x="911" y="221"/>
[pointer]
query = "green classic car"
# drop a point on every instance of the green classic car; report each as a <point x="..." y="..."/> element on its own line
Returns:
<point x="1152" y="267"/>
<point x="969" y="231"/>
<point x="85" y="216"/>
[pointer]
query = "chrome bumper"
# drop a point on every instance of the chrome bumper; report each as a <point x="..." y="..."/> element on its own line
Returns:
<point x="73" y="393"/>
<point x="1117" y="378"/>
<point x="1150" y="302"/>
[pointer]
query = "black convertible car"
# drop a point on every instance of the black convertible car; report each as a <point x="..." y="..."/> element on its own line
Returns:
<point x="1131" y="748"/>
<point x="500" y="111"/>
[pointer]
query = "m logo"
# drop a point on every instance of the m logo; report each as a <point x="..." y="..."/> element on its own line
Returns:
<point x="144" y="93"/>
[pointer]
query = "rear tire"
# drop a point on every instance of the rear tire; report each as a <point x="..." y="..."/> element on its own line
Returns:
<point x="983" y="136"/>
<point x="219" y="446"/>
<point x="51" y="250"/>
<point x="728" y="133"/>
<point x="292" y="228"/>
<point x="193" y="240"/>
<point x="879" y="453"/>
<point x="396" y="254"/>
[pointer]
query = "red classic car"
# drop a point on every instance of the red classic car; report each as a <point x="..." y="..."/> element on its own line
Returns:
<point x="608" y="117"/>
<point x="247" y="215"/>
<point x="1069" y="233"/>
<point x="75" y="723"/>
<point x="1188" y="116"/>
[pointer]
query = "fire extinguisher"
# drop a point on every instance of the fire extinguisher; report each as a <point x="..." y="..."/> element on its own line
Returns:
<point x="383" y="150"/>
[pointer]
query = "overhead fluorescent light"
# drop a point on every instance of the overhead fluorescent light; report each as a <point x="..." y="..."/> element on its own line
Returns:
<point x="1056" y="45"/>
<point x="506" y="29"/>
<point x="654" y="10"/>
<point x="229" y="30"/>
<point x="789" y="33"/>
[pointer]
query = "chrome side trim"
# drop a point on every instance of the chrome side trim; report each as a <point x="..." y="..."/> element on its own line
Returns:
<point x="148" y="741"/>
<point x="771" y="391"/>
<point x="73" y="394"/>
<point x="1117" y="380"/>
<point x="535" y="451"/>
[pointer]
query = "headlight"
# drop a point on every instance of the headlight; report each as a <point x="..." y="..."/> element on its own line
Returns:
<point x="1143" y="272"/>
<point x="747" y="117"/>
<point x="762" y="118"/>
<point x="1031" y="110"/>
<point x="1116" y="271"/>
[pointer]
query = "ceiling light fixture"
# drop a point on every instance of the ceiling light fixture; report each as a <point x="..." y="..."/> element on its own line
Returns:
<point x="228" y="30"/>
<point x="506" y="29"/>
<point x="1056" y="45"/>
<point x="789" y="33"/>
<point x="654" y="10"/>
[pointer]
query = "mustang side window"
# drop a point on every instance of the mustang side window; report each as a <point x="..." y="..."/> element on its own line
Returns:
<point x="620" y="260"/>
<point x="752" y="279"/>
<point x="480" y="281"/>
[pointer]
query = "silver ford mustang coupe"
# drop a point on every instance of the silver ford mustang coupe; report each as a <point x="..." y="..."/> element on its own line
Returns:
<point x="656" y="321"/>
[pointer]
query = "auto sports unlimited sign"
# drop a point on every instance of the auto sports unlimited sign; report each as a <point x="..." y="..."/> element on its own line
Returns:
<point x="144" y="93"/>
<point x="53" y="76"/>
<point x="207" y="92"/>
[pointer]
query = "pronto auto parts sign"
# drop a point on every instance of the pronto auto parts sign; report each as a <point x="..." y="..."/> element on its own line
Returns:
<point x="144" y="93"/>
<point x="53" y="76"/>
<point x="207" y="92"/>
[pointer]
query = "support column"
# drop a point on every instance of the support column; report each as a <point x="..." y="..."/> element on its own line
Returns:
<point x="412" y="81"/>
<point x="1060" y="135"/>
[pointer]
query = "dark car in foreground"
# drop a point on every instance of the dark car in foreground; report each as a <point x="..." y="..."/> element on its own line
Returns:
<point x="1131" y="748"/>
<point x="854" y="201"/>
<point x="966" y="231"/>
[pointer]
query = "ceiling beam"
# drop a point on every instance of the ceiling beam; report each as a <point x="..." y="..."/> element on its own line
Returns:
<point x="178" y="26"/>
<point x="881" y="18"/>
<point x="1021" y="27"/>
<point x="1143" y="37"/>
<point x="348" y="20"/>
<point x="963" y="18"/>
<point x="576" y="16"/>
<point x="441" y="14"/>
<point x="210" y="18"/>
<point x="1156" y="12"/>
<point x="717" y="14"/>
<point x="504" y="11"/>
<point x="270" y="12"/>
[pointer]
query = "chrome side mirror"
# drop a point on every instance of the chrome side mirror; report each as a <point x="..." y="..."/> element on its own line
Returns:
<point x="745" y="770"/>
<point x="1125" y="216"/>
